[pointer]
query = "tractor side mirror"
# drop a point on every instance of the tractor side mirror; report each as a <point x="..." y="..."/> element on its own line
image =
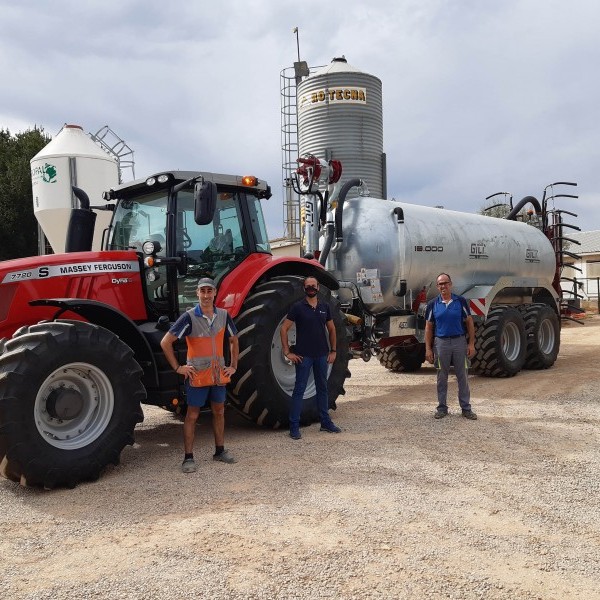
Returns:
<point x="205" y="202"/>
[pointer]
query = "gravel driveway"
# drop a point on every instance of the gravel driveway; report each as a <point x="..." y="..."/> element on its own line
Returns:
<point x="397" y="506"/>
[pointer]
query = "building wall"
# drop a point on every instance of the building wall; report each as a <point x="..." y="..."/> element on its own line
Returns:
<point x="285" y="248"/>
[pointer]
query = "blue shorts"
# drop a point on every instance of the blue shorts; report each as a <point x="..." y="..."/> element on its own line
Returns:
<point x="197" y="396"/>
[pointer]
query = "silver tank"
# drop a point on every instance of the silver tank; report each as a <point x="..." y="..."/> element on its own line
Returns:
<point x="396" y="241"/>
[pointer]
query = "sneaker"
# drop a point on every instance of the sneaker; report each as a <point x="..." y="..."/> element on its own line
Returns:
<point x="188" y="465"/>
<point x="224" y="457"/>
<point x="330" y="427"/>
<point x="469" y="414"/>
<point x="295" y="434"/>
<point x="440" y="414"/>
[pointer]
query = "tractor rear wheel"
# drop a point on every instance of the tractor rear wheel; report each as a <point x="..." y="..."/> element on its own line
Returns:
<point x="543" y="336"/>
<point x="262" y="387"/>
<point x="500" y="343"/>
<point x="70" y="395"/>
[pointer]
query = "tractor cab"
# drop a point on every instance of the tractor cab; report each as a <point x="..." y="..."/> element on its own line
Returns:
<point x="187" y="226"/>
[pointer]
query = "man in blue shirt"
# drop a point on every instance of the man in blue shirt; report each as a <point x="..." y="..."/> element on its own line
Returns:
<point x="312" y="352"/>
<point x="448" y="320"/>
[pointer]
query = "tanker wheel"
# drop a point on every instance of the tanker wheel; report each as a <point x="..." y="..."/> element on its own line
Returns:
<point x="399" y="359"/>
<point x="543" y="336"/>
<point x="70" y="396"/>
<point x="262" y="386"/>
<point x="500" y="343"/>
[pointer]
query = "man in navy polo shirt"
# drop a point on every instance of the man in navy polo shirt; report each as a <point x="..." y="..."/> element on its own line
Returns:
<point x="312" y="352"/>
<point x="448" y="320"/>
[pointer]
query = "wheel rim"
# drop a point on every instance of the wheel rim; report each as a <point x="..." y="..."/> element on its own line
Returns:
<point x="74" y="406"/>
<point x="511" y="341"/>
<point x="546" y="337"/>
<point x="284" y="370"/>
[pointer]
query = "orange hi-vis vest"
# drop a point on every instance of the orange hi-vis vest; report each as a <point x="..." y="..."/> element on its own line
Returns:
<point x="205" y="349"/>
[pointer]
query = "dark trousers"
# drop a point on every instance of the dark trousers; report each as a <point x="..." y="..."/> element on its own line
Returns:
<point x="318" y="366"/>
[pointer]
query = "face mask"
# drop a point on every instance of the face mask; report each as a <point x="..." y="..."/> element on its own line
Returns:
<point x="311" y="291"/>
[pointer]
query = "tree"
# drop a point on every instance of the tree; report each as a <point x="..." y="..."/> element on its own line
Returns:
<point x="18" y="226"/>
<point x="495" y="210"/>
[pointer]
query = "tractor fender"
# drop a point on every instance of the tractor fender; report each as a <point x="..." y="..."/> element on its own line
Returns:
<point x="235" y="287"/>
<point x="114" y="320"/>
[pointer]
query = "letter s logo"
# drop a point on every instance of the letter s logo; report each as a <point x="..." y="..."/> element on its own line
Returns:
<point x="43" y="272"/>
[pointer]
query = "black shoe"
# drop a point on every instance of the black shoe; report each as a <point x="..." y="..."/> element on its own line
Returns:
<point x="469" y="414"/>
<point x="330" y="427"/>
<point x="440" y="414"/>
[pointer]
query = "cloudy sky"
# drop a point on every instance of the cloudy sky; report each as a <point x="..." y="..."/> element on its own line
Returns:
<point x="478" y="96"/>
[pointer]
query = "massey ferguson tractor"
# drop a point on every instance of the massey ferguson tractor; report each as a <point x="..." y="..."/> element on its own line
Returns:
<point x="80" y="331"/>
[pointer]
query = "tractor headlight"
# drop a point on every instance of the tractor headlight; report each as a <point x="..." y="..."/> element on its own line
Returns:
<point x="151" y="247"/>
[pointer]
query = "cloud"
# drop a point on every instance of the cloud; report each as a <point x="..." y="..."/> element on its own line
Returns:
<point x="477" y="96"/>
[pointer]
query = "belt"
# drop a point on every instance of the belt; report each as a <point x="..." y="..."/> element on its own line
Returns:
<point x="450" y="337"/>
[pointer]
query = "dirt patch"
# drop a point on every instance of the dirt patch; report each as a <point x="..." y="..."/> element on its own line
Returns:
<point x="397" y="506"/>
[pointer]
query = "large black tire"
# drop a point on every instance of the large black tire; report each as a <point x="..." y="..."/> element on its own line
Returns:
<point x="399" y="359"/>
<point x="543" y="336"/>
<point x="70" y="396"/>
<point x="500" y="343"/>
<point x="262" y="387"/>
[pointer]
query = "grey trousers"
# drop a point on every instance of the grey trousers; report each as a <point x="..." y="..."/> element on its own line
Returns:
<point x="452" y="352"/>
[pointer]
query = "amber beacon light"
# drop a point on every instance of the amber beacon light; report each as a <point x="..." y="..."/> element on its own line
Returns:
<point x="249" y="180"/>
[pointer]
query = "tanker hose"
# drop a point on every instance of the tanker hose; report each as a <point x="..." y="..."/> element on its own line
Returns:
<point x="328" y="241"/>
<point x="339" y="236"/>
<point x="512" y="215"/>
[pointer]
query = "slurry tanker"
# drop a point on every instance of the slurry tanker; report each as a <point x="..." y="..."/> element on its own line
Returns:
<point x="387" y="256"/>
<point x="80" y="330"/>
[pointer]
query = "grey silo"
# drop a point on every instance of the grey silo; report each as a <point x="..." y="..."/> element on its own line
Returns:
<point x="340" y="117"/>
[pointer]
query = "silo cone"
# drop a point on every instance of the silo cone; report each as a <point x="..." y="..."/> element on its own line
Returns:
<point x="71" y="158"/>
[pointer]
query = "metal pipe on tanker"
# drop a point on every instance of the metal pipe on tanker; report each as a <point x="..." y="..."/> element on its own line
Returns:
<point x="339" y="233"/>
<point x="328" y="240"/>
<point x="311" y="220"/>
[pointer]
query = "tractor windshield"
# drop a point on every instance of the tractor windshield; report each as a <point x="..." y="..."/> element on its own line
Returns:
<point x="211" y="250"/>
<point x="137" y="221"/>
<point x="215" y="249"/>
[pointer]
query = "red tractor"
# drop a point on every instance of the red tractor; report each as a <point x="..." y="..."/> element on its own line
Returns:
<point x="80" y="331"/>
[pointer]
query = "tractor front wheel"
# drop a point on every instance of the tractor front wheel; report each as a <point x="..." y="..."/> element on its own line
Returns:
<point x="70" y="396"/>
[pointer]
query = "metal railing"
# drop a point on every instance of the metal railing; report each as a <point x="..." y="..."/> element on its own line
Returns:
<point x="581" y="289"/>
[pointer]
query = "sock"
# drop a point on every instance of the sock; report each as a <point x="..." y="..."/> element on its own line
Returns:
<point x="188" y="455"/>
<point x="219" y="450"/>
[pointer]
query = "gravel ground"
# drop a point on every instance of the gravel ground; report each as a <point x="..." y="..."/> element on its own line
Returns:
<point x="397" y="506"/>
